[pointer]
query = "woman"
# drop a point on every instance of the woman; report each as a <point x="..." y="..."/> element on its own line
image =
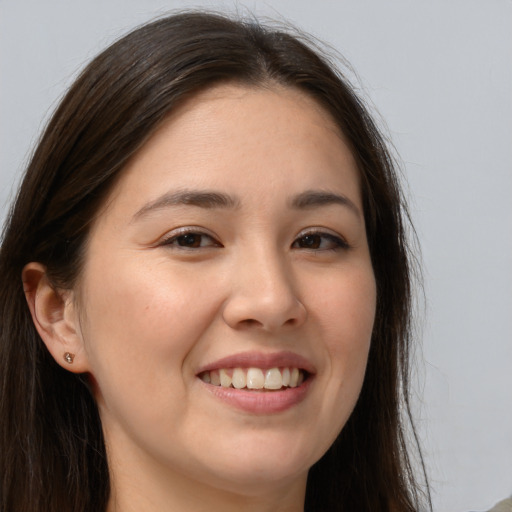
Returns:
<point x="211" y="241"/>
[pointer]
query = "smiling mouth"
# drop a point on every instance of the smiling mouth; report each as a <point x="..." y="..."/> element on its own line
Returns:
<point x="255" y="379"/>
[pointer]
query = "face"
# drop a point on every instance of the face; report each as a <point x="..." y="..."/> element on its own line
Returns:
<point x="227" y="298"/>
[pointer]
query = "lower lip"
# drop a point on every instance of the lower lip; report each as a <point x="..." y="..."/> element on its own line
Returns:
<point x="261" y="402"/>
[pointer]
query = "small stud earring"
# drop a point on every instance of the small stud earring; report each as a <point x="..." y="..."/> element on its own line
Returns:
<point x="68" y="357"/>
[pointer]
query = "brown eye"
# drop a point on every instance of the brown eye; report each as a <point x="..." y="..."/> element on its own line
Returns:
<point x="190" y="240"/>
<point x="310" y="242"/>
<point x="320" y="242"/>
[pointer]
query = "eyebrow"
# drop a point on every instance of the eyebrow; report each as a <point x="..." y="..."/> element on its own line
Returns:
<point x="211" y="199"/>
<point x="201" y="198"/>
<point x="316" y="198"/>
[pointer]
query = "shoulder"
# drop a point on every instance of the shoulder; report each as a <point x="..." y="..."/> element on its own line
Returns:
<point x="502" y="506"/>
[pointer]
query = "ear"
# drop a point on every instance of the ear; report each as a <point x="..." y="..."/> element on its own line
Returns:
<point x="55" y="318"/>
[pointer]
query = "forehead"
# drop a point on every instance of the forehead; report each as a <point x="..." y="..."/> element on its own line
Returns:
<point x="242" y="138"/>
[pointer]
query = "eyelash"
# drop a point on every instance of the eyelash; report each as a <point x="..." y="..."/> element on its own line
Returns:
<point x="309" y="238"/>
<point x="183" y="233"/>
<point x="336" y="242"/>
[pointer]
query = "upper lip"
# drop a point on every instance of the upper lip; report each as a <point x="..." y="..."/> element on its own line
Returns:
<point x="283" y="359"/>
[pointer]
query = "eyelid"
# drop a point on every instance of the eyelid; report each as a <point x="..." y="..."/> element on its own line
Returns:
<point x="334" y="236"/>
<point x="326" y="233"/>
<point x="318" y="230"/>
<point x="188" y="230"/>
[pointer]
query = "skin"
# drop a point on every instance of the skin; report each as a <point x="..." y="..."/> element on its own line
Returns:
<point x="150" y="311"/>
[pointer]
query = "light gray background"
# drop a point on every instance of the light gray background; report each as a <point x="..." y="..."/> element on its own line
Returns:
<point x="440" y="74"/>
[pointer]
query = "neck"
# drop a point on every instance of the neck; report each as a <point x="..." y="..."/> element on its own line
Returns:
<point x="193" y="497"/>
<point x="162" y="490"/>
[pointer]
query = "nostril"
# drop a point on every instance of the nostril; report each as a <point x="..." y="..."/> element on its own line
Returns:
<point x="250" y="322"/>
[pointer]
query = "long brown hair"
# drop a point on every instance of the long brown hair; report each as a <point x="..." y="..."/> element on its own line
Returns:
<point x="52" y="453"/>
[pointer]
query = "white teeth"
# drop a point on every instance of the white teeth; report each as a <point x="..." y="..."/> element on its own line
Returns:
<point x="286" y="377"/>
<point x="254" y="378"/>
<point x="273" y="379"/>
<point x="225" y="379"/>
<point x="238" y="378"/>
<point x="214" y="378"/>
<point x="294" y="378"/>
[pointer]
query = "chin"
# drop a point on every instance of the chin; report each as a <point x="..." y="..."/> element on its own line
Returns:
<point x="253" y="481"/>
<point x="261" y="467"/>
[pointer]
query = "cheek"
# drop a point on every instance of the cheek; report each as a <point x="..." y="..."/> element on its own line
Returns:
<point x="344" y="313"/>
<point x="346" y="307"/>
<point x="140" y="302"/>
<point x="140" y="322"/>
<point x="347" y="312"/>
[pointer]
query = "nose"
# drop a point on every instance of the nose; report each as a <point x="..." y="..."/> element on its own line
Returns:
<point x="263" y="295"/>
